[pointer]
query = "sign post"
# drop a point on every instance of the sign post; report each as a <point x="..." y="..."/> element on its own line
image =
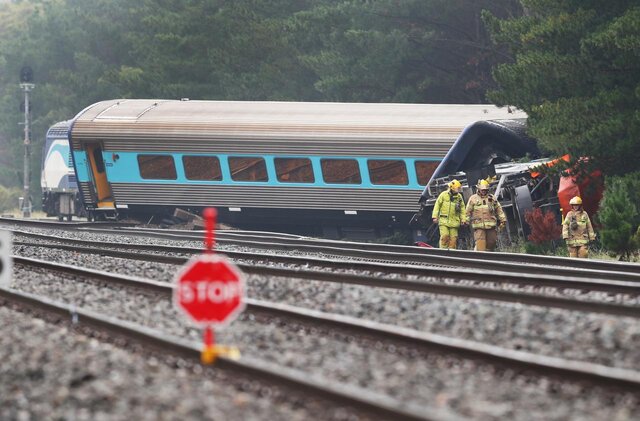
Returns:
<point x="5" y="259"/>
<point x="210" y="290"/>
<point x="26" y="79"/>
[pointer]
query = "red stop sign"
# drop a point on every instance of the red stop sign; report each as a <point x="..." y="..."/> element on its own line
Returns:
<point x="210" y="289"/>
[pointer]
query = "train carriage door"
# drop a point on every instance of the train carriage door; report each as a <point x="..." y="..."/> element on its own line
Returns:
<point x="103" y="190"/>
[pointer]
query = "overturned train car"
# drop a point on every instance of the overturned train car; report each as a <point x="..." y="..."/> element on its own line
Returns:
<point x="331" y="169"/>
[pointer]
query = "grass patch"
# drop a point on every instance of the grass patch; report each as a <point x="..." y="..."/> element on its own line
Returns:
<point x="17" y="213"/>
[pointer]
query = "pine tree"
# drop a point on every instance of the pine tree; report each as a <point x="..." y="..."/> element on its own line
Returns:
<point x="619" y="218"/>
<point x="576" y="73"/>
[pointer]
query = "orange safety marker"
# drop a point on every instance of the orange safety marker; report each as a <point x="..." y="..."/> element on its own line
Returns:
<point x="210" y="290"/>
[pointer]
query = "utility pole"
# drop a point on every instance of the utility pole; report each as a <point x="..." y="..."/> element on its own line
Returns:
<point x="27" y="85"/>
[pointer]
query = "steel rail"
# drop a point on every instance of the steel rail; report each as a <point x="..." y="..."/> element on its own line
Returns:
<point x="467" y="258"/>
<point x="567" y="267"/>
<point x="555" y="366"/>
<point x="349" y="279"/>
<point x="356" y="397"/>
<point x="468" y="254"/>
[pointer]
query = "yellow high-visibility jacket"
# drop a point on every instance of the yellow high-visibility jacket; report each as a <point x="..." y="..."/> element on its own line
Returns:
<point x="449" y="209"/>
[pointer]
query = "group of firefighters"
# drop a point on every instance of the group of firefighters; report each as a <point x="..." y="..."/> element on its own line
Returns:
<point x="486" y="216"/>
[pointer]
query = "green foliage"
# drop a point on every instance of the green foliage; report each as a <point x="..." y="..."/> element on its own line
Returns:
<point x="577" y="74"/>
<point x="547" y="248"/>
<point x="619" y="215"/>
<point x="9" y="198"/>
<point x="434" y="51"/>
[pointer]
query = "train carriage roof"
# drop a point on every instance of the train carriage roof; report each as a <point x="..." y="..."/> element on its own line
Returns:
<point x="303" y="113"/>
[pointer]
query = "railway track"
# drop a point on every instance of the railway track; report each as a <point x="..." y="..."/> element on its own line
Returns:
<point x="528" y="264"/>
<point x="540" y="365"/>
<point x="288" y="241"/>
<point x="327" y="273"/>
<point x="369" y="251"/>
<point x="385" y="263"/>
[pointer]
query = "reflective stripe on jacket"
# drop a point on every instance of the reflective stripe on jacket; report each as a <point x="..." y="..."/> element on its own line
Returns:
<point x="484" y="212"/>
<point x="449" y="209"/>
<point x="577" y="229"/>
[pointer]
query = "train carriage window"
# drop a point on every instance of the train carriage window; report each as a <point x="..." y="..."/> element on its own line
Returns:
<point x="340" y="171"/>
<point x="157" y="167"/>
<point x="387" y="171"/>
<point x="424" y="171"/>
<point x="294" y="170"/>
<point x="248" y="169"/>
<point x="202" y="168"/>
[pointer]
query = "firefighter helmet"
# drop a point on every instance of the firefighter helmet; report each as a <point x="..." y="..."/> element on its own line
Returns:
<point x="455" y="184"/>
<point x="483" y="185"/>
<point x="576" y="201"/>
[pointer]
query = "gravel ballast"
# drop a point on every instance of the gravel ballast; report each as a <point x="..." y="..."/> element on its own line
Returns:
<point x="598" y="338"/>
<point x="469" y="388"/>
<point x="50" y="372"/>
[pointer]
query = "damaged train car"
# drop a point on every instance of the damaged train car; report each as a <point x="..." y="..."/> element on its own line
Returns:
<point x="490" y="151"/>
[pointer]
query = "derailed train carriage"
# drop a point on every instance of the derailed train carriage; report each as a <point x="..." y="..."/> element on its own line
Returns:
<point x="332" y="169"/>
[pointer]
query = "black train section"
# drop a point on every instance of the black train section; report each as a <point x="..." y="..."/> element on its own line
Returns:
<point x="499" y="150"/>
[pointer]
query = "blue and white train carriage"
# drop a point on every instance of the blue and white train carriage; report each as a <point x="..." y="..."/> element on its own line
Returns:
<point x="331" y="169"/>
<point x="57" y="177"/>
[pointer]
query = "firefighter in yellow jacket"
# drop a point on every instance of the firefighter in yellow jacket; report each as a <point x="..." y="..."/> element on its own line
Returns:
<point x="448" y="213"/>
<point x="485" y="215"/>
<point x="577" y="230"/>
